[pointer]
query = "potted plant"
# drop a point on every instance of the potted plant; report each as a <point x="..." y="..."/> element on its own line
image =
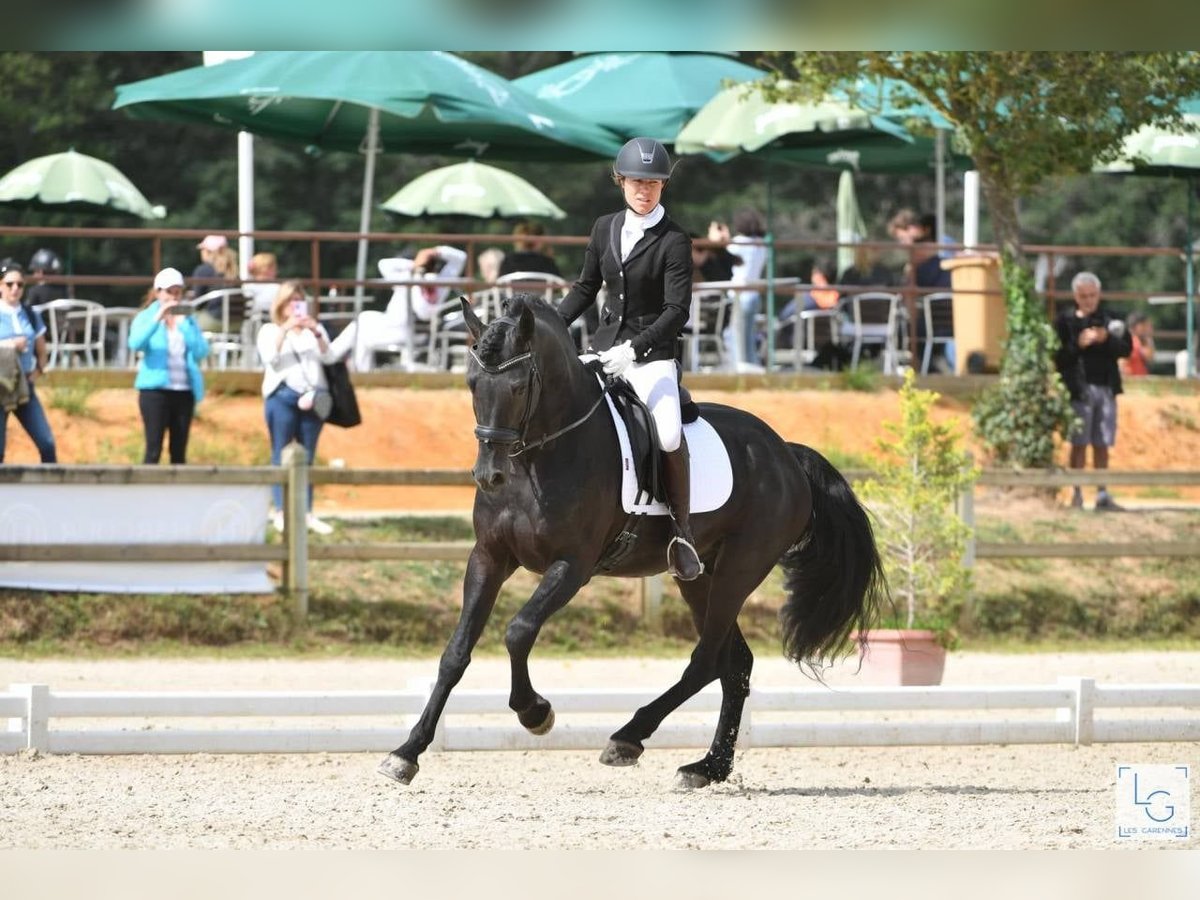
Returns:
<point x="912" y="498"/>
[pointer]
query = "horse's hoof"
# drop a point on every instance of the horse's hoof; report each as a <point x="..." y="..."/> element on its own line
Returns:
<point x="621" y="753"/>
<point x="691" y="781"/>
<point x="545" y="726"/>
<point x="398" y="768"/>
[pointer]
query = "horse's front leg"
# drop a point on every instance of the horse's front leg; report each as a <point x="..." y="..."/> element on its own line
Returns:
<point x="562" y="581"/>
<point x="485" y="575"/>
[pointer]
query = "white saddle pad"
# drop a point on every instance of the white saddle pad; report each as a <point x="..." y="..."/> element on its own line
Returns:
<point x="712" y="475"/>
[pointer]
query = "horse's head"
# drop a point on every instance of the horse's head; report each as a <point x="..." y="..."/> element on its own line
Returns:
<point x="509" y="362"/>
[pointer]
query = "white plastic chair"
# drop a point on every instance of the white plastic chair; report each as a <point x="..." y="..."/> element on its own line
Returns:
<point x="938" y="312"/>
<point x="74" y="328"/>
<point x="228" y="337"/>
<point x="553" y="288"/>
<point x="874" y="320"/>
<point x="704" y="343"/>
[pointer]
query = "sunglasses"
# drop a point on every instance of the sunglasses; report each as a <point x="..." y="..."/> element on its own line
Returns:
<point x="13" y="284"/>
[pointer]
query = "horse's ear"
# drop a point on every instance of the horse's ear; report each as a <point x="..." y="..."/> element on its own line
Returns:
<point x="474" y="325"/>
<point x="525" y="326"/>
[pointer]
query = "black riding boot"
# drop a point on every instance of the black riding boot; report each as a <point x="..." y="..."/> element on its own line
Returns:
<point x="683" y="560"/>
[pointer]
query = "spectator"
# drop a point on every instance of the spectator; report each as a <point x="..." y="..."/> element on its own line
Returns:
<point x="1091" y="343"/>
<point x="719" y="261"/>
<point x="23" y="332"/>
<point x="918" y="234"/>
<point x="293" y="346"/>
<point x="867" y="270"/>
<point x="1141" y="358"/>
<point x="527" y="254"/>
<point x="168" y="379"/>
<point x="374" y="330"/>
<point x="488" y="262"/>
<point x="217" y="260"/>
<point x="749" y="231"/>
<point x="260" y="290"/>
<point x="43" y="265"/>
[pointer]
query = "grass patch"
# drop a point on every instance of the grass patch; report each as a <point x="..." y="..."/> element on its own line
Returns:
<point x="864" y="379"/>
<point x="73" y="399"/>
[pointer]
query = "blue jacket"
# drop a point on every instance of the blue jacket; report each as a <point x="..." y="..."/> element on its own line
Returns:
<point x="149" y="337"/>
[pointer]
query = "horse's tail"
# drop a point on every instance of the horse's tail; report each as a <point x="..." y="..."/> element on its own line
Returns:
<point x="833" y="574"/>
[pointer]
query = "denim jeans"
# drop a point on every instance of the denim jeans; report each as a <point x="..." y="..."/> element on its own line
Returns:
<point x="33" y="419"/>
<point x="747" y="350"/>
<point x="286" y="422"/>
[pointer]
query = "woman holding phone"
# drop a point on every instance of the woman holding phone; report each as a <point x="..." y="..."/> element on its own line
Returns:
<point x="293" y="346"/>
<point x="168" y="380"/>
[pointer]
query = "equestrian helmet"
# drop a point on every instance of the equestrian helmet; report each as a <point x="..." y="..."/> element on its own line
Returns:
<point x="643" y="158"/>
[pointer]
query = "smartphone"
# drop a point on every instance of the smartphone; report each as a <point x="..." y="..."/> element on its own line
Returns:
<point x="299" y="308"/>
<point x="181" y="309"/>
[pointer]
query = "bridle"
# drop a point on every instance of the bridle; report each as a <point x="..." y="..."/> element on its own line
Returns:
<point x="498" y="434"/>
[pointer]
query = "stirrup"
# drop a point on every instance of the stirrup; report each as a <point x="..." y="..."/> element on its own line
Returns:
<point x="671" y="570"/>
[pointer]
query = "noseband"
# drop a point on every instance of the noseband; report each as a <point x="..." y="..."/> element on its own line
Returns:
<point x="497" y="434"/>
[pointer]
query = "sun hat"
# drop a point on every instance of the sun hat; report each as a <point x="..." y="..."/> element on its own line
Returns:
<point x="168" y="278"/>
<point x="213" y="242"/>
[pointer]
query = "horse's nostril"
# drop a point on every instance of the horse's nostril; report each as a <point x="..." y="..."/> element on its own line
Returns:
<point x="497" y="479"/>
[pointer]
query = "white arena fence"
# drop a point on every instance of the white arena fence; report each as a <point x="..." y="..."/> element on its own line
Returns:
<point x="481" y="720"/>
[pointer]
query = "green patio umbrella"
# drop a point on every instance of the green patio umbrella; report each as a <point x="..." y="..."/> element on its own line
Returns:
<point x="427" y="102"/>
<point x="638" y="94"/>
<point x="1158" y="151"/>
<point x="471" y="189"/>
<point x="75" y="181"/>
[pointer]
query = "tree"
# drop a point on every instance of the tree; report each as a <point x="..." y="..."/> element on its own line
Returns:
<point x="1023" y="116"/>
<point x="912" y="496"/>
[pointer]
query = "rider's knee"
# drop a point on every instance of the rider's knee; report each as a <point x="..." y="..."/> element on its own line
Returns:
<point x="670" y="435"/>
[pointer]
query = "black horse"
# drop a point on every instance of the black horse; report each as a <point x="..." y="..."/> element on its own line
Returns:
<point x="549" y="499"/>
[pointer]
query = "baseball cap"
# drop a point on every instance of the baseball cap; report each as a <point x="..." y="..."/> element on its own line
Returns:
<point x="168" y="278"/>
<point x="213" y="242"/>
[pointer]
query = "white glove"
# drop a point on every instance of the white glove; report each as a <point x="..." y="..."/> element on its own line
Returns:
<point x="617" y="359"/>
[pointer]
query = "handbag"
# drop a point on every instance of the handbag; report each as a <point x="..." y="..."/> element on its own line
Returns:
<point x="344" y="411"/>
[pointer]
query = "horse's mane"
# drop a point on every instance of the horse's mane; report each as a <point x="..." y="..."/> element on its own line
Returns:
<point x="492" y="341"/>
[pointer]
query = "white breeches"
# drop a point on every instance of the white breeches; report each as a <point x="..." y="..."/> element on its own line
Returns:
<point x="657" y="384"/>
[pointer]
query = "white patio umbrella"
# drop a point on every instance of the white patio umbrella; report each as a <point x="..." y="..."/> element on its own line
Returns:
<point x="471" y="189"/>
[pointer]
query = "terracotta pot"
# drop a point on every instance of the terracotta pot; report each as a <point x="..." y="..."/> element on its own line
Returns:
<point x="903" y="656"/>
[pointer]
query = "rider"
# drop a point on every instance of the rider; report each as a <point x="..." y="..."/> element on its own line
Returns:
<point x="645" y="260"/>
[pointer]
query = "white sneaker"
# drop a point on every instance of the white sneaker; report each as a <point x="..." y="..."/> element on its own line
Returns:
<point x="316" y="525"/>
<point x="277" y="519"/>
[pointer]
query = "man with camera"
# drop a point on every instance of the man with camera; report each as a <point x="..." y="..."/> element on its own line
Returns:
<point x="1091" y="343"/>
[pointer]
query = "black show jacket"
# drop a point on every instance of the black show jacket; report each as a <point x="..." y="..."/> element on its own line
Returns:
<point x="649" y="294"/>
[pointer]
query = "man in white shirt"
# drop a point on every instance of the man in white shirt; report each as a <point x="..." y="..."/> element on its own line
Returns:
<point x="373" y="331"/>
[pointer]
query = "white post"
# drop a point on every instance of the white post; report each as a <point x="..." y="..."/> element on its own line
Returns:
<point x="971" y="208"/>
<point x="364" y="220"/>
<point x="939" y="162"/>
<point x="245" y="144"/>
<point x="245" y="201"/>
<point x="37" y="715"/>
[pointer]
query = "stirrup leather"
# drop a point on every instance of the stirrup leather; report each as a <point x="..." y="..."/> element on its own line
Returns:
<point x="671" y="570"/>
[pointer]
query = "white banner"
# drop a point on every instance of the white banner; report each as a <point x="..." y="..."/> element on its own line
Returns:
<point x="135" y="514"/>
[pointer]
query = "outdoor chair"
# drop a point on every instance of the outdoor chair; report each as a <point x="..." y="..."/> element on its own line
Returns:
<point x="74" y="332"/>
<point x="874" y="319"/>
<point x="937" y="311"/>
<point x="229" y="330"/>
<point x="703" y="341"/>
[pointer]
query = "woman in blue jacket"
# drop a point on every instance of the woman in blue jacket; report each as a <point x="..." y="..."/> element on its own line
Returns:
<point x="169" y="382"/>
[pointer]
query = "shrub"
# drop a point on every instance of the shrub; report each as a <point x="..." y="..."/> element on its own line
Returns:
<point x="1019" y="418"/>
<point x="912" y="497"/>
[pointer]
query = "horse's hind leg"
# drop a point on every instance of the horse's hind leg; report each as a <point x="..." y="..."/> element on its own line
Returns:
<point x="737" y="662"/>
<point x="484" y="577"/>
<point x="559" y="584"/>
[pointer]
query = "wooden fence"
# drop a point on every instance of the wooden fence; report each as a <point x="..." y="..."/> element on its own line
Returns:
<point x="1068" y="716"/>
<point x="296" y="552"/>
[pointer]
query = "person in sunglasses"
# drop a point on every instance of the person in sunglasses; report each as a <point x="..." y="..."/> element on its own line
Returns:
<point x="22" y="329"/>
